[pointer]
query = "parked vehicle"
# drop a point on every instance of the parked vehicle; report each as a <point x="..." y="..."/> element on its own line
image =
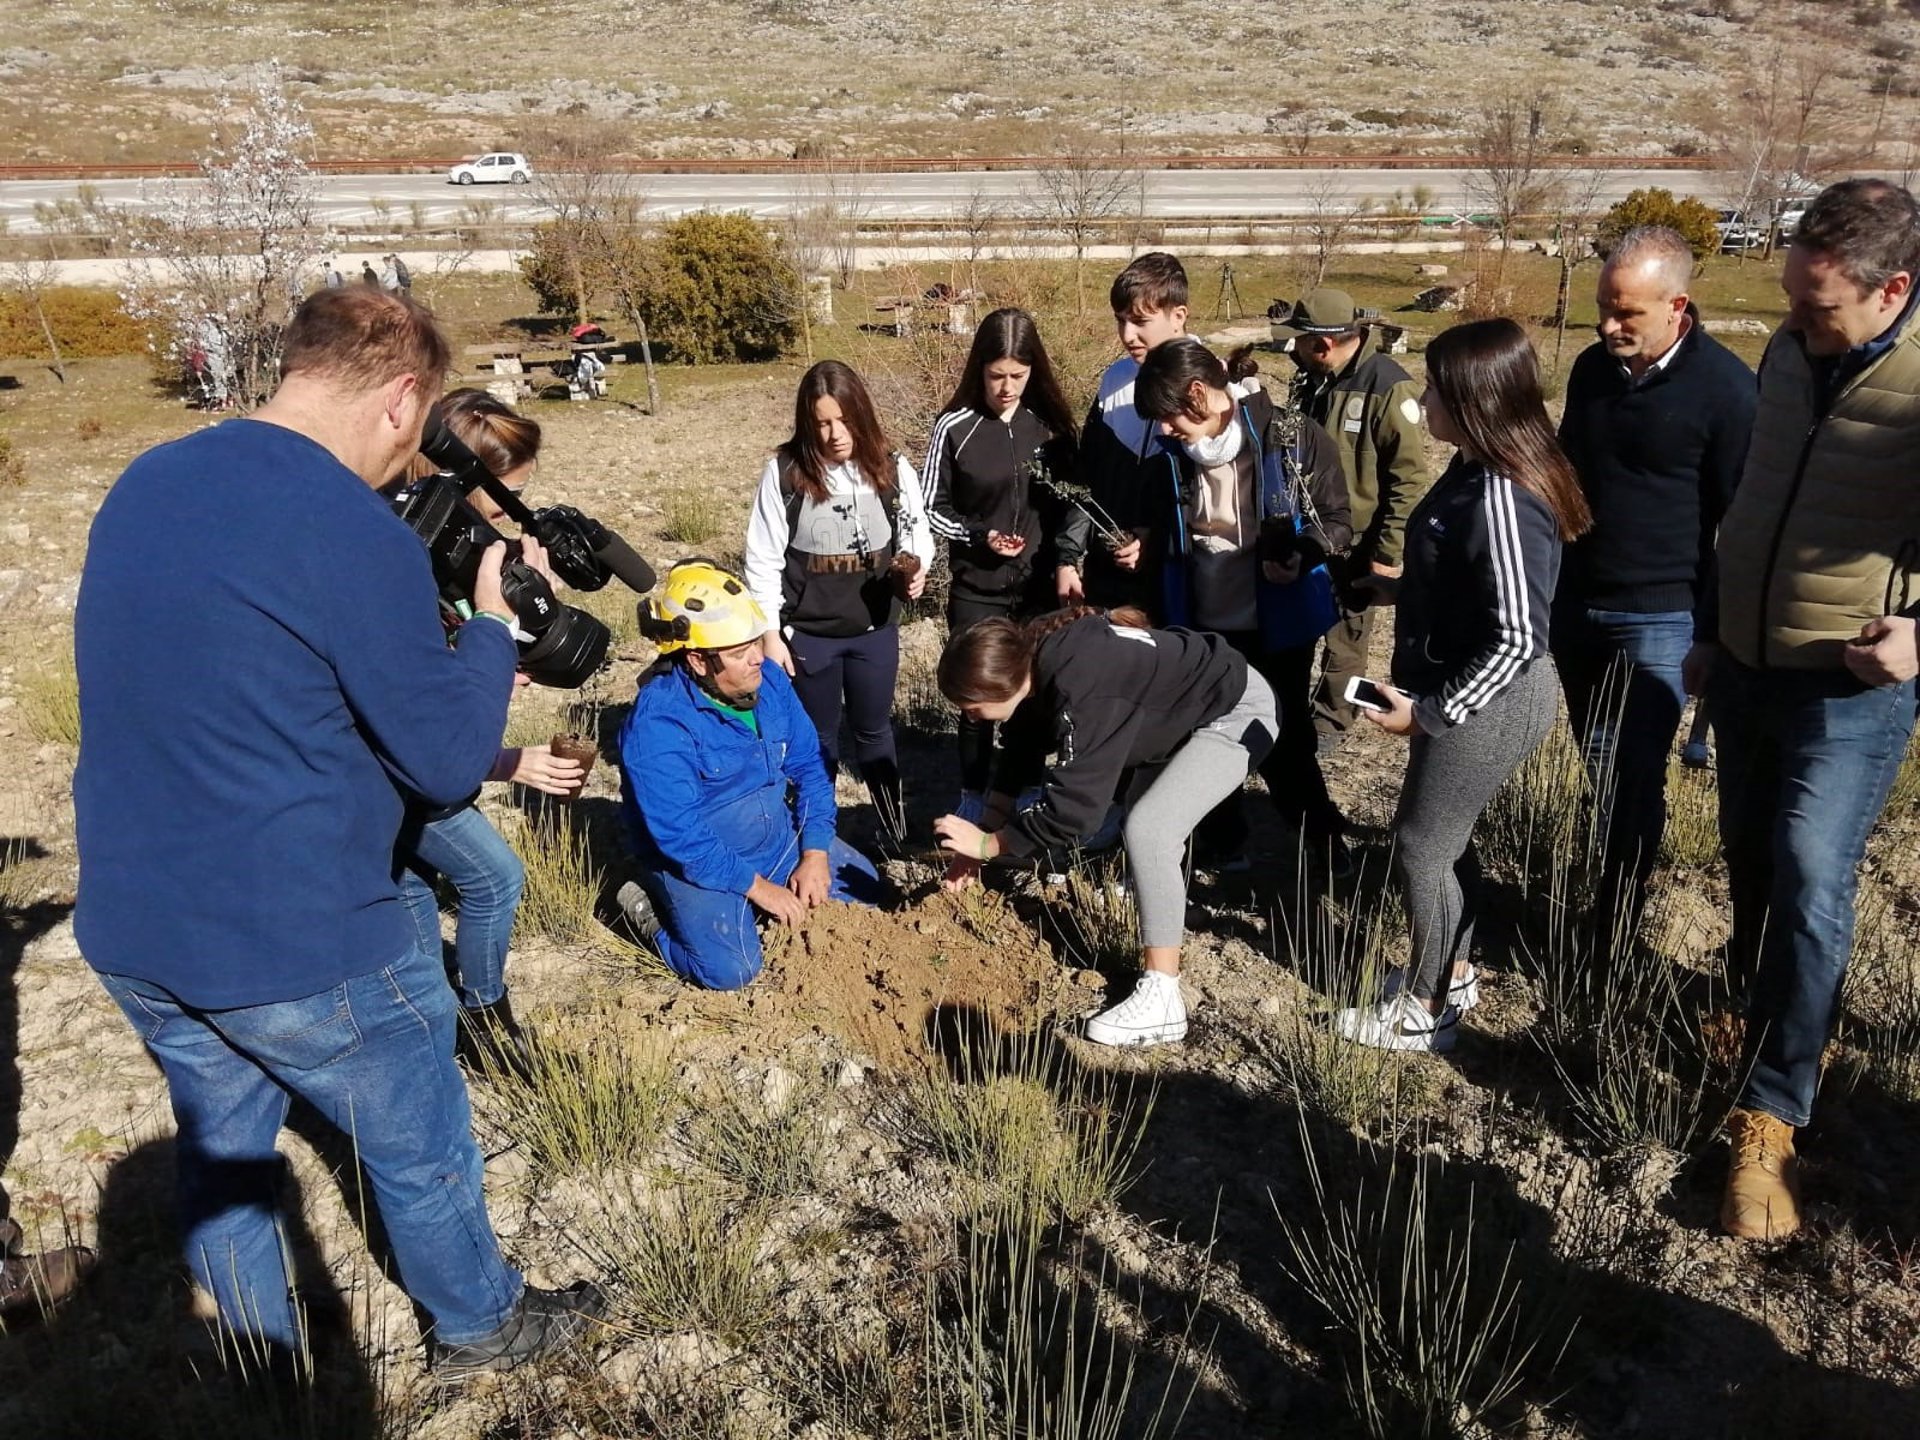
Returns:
<point x="498" y="167"/>
<point x="1738" y="234"/>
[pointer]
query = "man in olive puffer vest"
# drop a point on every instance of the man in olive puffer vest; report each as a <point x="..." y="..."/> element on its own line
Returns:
<point x="1811" y="686"/>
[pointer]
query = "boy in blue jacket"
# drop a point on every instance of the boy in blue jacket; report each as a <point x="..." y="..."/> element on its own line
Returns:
<point x="725" y="788"/>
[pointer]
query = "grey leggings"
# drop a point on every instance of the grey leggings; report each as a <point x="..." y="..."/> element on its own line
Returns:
<point x="1213" y="764"/>
<point x="1450" y="779"/>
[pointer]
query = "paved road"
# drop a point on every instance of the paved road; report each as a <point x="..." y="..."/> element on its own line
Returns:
<point x="356" y="200"/>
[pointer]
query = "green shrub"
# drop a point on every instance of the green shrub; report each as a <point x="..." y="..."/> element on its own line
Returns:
<point x="722" y="289"/>
<point x="1654" y="206"/>
<point x="88" y="324"/>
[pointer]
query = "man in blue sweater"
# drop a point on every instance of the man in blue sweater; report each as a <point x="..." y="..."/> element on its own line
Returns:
<point x="725" y="788"/>
<point x="262" y="671"/>
<point x="1657" y="419"/>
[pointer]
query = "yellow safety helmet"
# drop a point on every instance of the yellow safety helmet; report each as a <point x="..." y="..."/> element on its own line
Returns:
<point x="701" y="607"/>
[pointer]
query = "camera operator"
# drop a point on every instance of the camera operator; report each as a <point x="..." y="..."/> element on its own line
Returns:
<point x="260" y="661"/>
<point x="459" y="842"/>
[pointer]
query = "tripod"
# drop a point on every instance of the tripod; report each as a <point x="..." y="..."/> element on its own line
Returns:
<point x="1229" y="296"/>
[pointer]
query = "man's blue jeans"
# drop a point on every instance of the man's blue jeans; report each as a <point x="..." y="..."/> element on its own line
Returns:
<point x="1621" y="675"/>
<point x="1806" y="761"/>
<point x="489" y="877"/>
<point x="375" y="1057"/>
<point x="710" y="936"/>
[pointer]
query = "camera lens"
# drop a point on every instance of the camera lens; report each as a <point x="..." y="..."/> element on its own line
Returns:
<point x="568" y="652"/>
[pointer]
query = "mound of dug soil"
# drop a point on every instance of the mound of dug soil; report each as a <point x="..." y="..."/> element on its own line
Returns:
<point x="873" y="978"/>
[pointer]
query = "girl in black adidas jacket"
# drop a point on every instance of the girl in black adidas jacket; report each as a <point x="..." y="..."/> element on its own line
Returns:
<point x="1104" y="696"/>
<point x="1473" y="688"/>
<point x="1007" y="415"/>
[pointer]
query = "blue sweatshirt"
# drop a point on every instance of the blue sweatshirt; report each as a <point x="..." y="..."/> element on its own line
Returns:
<point x="700" y="789"/>
<point x="262" y="669"/>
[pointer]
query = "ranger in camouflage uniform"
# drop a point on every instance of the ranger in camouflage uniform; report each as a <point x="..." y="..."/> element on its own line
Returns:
<point x="1371" y="408"/>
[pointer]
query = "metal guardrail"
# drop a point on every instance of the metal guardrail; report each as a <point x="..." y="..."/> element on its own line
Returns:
<point x="887" y="165"/>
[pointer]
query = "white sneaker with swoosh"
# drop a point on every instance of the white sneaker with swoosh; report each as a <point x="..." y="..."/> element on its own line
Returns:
<point x="1401" y="1023"/>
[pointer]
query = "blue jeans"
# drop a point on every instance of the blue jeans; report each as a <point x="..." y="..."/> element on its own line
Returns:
<point x="1806" y="761"/>
<point x="489" y="877"/>
<point x="375" y="1057"/>
<point x="710" y="936"/>
<point x="1621" y="675"/>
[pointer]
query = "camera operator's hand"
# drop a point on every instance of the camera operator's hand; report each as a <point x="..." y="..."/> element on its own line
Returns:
<point x="535" y="554"/>
<point x="778" y="901"/>
<point x="487" y="594"/>
<point x="537" y="767"/>
<point x="775" y="646"/>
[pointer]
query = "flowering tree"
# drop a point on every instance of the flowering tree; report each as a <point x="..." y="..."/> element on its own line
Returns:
<point x="232" y="253"/>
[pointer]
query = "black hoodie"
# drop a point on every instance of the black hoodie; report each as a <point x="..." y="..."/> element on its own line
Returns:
<point x="1106" y="698"/>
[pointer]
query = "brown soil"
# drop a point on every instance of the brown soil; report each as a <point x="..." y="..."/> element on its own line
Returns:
<point x="874" y="979"/>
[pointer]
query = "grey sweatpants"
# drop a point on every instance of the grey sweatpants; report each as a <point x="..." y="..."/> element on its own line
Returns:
<point x="1450" y="779"/>
<point x="1212" y="765"/>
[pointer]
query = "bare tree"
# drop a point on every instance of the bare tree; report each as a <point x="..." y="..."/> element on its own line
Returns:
<point x="1080" y="190"/>
<point x="596" y="205"/>
<point x="1577" y="216"/>
<point x="976" y="225"/>
<point x="1785" y="133"/>
<point x="236" y="249"/>
<point x="1511" y="175"/>
<point x="1332" y="217"/>
<point x="836" y="197"/>
<point x="32" y="276"/>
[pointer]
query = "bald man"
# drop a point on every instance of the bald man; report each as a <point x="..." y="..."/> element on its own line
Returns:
<point x="1657" y="419"/>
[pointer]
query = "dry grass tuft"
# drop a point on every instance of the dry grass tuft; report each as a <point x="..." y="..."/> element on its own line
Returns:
<point x="50" y="702"/>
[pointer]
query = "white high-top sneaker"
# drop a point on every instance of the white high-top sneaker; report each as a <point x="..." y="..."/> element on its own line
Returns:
<point x="1152" y="1015"/>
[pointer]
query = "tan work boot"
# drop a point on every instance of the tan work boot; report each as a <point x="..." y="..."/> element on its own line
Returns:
<point x="1763" y="1179"/>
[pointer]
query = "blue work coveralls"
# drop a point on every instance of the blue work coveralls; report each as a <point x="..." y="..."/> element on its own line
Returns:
<point x="710" y="805"/>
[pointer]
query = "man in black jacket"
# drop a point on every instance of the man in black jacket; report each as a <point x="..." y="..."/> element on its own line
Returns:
<point x="1657" y="419"/>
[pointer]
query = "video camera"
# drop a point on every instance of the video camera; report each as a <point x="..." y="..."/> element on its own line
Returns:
<point x="564" y="646"/>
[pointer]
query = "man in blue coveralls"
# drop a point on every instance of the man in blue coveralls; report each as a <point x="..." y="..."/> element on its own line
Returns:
<point x="724" y="787"/>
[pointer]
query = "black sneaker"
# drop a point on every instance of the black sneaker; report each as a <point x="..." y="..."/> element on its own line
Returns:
<point x="636" y="908"/>
<point x="545" y="1321"/>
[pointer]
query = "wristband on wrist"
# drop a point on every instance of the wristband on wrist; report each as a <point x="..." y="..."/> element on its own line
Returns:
<point x="985" y="840"/>
<point x="495" y="615"/>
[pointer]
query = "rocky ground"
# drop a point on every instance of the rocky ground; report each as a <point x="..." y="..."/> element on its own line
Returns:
<point x="100" y="80"/>
<point x="1211" y="1217"/>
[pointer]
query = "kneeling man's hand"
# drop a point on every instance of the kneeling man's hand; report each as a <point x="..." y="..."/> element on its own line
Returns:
<point x="778" y="901"/>
<point x="812" y="878"/>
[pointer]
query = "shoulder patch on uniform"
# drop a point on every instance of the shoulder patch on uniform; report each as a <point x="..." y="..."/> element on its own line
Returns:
<point x="1356" y="406"/>
<point x="1410" y="408"/>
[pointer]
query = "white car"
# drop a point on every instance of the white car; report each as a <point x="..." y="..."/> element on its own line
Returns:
<point x="500" y="167"/>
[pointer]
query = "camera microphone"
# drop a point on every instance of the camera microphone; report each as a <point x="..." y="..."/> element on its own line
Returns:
<point x="625" y="564"/>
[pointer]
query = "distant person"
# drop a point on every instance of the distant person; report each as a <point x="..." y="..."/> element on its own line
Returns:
<point x="389" y="274"/>
<point x="403" y="277"/>
<point x="837" y="539"/>
<point x="1091" y="700"/>
<point x="1656" y="425"/>
<point x="1253" y="508"/>
<point x="251" y="711"/>
<point x="367" y="277"/>
<point x="1371" y="408"/>
<point x="1007" y="415"/>
<point x="725" y="788"/>
<point x="1811" y="683"/>
<point x="335" y="280"/>
<point x="1473" y="688"/>
<point x="1149" y="300"/>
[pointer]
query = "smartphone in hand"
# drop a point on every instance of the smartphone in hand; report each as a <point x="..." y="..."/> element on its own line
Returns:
<point x="1367" y="695"/>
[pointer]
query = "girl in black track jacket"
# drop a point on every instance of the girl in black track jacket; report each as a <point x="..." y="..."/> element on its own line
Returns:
<point x="1473" y="688"/>
<point x="1105" y="697"/>
<point x="1007" y="417"/>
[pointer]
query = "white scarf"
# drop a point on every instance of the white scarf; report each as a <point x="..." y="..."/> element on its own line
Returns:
<point x="1213" y="451"/>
